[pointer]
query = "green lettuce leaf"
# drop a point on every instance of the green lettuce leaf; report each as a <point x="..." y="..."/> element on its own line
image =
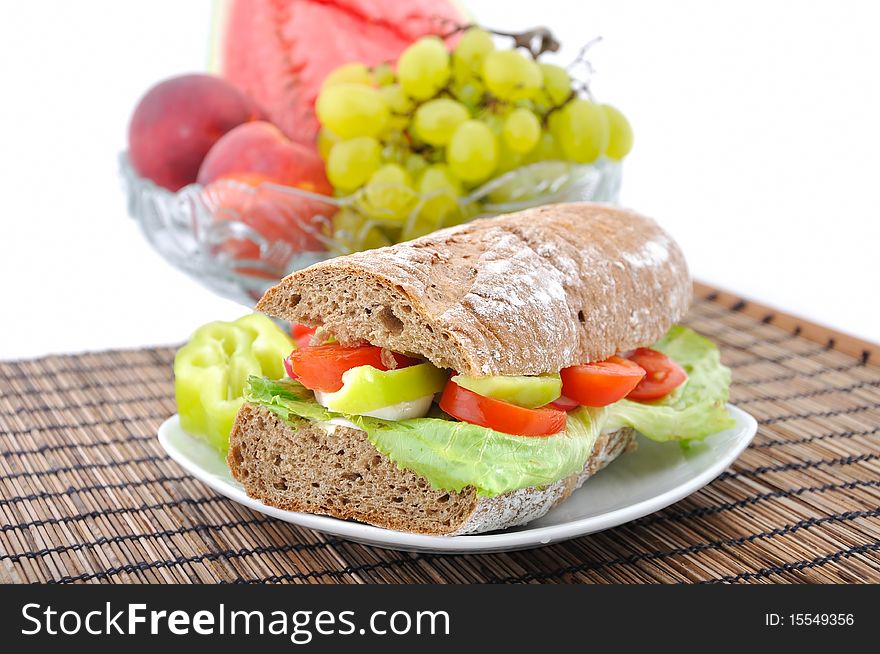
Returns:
<point x="286" y="397"/>
<point x="452" y="454"/>
<point x="695" y="409"/>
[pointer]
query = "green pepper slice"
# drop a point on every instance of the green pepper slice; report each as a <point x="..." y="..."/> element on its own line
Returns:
<point x="211" y="371"/>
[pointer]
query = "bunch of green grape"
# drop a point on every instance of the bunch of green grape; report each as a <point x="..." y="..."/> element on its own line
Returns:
<point x="407" y="145"/>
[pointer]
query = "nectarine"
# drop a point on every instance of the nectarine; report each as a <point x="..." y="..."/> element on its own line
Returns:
<point x="176" y="123"/>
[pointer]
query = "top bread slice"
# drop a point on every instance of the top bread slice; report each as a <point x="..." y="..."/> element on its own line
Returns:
<point x="520" y="294"/>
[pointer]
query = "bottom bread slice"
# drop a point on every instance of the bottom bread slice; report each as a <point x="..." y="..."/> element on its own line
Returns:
<point x="336" y="471"/>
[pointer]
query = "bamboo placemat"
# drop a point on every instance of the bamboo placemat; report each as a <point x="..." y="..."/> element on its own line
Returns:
<point x="87" y="494"/>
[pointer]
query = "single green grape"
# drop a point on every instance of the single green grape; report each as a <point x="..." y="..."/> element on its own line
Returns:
<point x="582" y="130"/>
<point x="547" y="149"/>
<point x="472" y="153"/>
<point x="352" y="162"/>
<point x="398" y="101"/>
<point x="389" y="194"/>
<point x="508" y="75"/>
<point x="470" y="93"/>
<point x="508" y="159"/>
<point x="621" y="138"/>
<point x="521" y="130"/>
<point x="440" y="191"/>
<point x="472" y="48"/>
<point x="353" y="73"/>
<point x="557" y="83"/>
<point x="435" y="121"/>
<point x="423" y="68"/>
<point x="382" y="75"/>
<point x="415" y="164"/>
<point x="461" y="73"/>
<point x="350" y="110"/>
<point x="438" y="177"/>
<point x="326" y="140"/>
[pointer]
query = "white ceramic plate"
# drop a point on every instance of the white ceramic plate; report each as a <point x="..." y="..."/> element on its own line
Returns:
<point x="654" y="476"/>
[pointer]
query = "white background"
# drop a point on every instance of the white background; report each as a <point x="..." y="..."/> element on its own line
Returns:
<point x="757" y="139"/>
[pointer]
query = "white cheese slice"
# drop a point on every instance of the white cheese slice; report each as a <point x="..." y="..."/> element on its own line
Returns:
<point x="401" y="411"/>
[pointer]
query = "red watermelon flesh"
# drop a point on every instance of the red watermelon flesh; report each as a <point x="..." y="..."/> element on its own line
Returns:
<point x="279" y="51"/>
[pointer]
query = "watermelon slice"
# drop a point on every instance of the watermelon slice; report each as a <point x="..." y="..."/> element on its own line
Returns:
<point x="279" y="51"/>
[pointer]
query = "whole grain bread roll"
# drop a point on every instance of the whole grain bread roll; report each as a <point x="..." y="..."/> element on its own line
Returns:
<point x="520" y="294"/>
<point x="336" y="471"/>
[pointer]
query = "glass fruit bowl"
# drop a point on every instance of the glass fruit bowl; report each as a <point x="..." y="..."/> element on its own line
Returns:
<point x="238" y="239"/>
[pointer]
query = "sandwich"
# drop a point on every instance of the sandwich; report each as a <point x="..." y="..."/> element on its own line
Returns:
<point x="472" y="379"/>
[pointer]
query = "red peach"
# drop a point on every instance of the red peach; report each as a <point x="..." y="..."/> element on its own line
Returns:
<point x="259" y="150"/>
<point x="177" y="122"/>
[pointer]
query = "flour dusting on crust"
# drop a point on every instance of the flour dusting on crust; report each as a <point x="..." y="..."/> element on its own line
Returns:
<point x="525" y="293"/>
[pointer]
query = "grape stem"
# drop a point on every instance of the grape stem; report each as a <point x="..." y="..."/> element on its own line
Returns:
<point x="581" y="85"/>
<point x="537" y="40"/>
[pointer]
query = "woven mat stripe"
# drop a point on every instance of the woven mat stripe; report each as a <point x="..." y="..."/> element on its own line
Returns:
<point x="801" y="565"/>
<point x="108" y="360"/>
<point x="44" y="371"/>
<point x="86" y="494"/>
<point x="56" y="447"/>
<point x="134" y="386"/>
<point x="72" y="490"/>
<point x="137" y="394"/>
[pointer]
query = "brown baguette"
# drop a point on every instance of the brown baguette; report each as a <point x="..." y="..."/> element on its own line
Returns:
<point x="520" y="294"/>
<point x="302" y="466"/>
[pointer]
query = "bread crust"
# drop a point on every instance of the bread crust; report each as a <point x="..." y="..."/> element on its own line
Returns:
<point x="302" y="466"/>
<point x="524" y="293"/>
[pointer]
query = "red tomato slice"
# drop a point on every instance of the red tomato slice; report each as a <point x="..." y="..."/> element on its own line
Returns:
<point x="601" y="383"/>
<point x="564" y="403"/>
<point x="297" y="331"/>
<point x="663" y="375"/>
<point x="302" y="334"/>
<point x="501" y="416"/>
<point x="320" y="367"/>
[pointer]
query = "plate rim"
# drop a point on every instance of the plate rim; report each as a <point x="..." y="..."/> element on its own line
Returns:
<point x="375" y="536"/>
